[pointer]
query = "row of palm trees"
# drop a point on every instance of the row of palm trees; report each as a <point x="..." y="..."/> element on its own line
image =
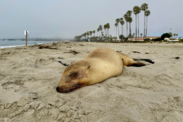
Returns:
<point x="128" y="19"/>
<point x="175" y="34"/>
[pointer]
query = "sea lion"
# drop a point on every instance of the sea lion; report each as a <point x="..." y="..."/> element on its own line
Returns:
<point x="99" y="65"/>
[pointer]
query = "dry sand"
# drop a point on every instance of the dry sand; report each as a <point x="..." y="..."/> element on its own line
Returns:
<point x="29" y="76"/>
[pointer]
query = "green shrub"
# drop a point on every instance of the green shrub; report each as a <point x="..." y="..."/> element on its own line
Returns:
<point x="147" y="39"/>
<point x="181" y="40"/>
<point x="157" y="39"/>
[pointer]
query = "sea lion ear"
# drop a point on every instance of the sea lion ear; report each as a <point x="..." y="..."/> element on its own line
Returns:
<point x="88" y="67"/>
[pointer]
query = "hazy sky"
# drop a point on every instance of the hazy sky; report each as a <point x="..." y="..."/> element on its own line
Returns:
<point x="68" y="18"/>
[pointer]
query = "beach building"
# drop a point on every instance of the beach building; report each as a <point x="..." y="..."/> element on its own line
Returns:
<point x="142" y="38"/>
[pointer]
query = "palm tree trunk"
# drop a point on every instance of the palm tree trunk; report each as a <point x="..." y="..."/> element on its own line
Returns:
<point x="130" y="30"/>
<point x="122" y="29"/>
<point x="138" y="27"/>
<point x="118" y="31"/>
<point x="126" y="29"/>
<point x="104" y="31"/>
<point x="108" y="32"/>
<point x="146" y="24"/>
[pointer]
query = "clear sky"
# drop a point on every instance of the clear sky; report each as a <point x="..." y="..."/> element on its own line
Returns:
<point x="68" y="18"/>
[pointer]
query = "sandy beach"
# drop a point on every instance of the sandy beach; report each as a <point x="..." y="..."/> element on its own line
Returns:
<point x="153" y="93"/>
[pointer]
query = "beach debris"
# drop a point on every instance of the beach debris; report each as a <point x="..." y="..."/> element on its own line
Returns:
<point x="81" y="45"/>
<point x="63" y="63"/>
<point x="177" y="57"/>
<point x="135" y="52"/>
<point x="146" y="53"/>
<point x="73" y="52"/>
<point x="60" y="58"/>
<point x="46" y="47"/>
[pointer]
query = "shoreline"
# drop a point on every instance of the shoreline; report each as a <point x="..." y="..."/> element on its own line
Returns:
<point x="134" y="42"/>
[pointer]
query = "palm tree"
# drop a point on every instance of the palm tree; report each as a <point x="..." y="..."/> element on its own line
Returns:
<point x="147" y="13"/>
<point x="133" y="34"/>
<point x="141" y="34"/>
<point x="91" y="33"/>
<point x="84" y="35"/>
<point x="122" y="22"/>
<point x="176" y="35"/>
<point x="130" y="21"/>
<point x="102" y="33"/>
<point x="144" y="7"/>
<point x="116" y="24"/>
<point x="105" y="27"/>
<point x="139" y="10"/>
<point x="94" y="32"/>
<point x="126" y="19"/>
<point x="117" y="21"/>
<point x="100" y="28"/>
<point x="129" y="13"/>
<point x="108" y="26"/>
<point x="88" y="34"/>
<point x="136" y="11"/>
<point x="98" y="31"/>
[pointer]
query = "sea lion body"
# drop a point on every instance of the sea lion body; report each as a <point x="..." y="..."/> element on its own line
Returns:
<point x="99" y="65"/>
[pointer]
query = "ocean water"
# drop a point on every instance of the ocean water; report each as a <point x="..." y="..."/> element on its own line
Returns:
<point x="17" y="43"/>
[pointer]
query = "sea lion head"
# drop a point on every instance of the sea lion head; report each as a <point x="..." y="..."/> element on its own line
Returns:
<point x="75" y="76"/>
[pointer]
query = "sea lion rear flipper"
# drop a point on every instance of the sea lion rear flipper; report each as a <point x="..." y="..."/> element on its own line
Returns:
<point x="138" y="64"/>
<point x="147" y="60"/>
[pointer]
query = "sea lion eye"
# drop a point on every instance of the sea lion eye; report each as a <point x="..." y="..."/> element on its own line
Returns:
<point x="73" y="74"/>
<point x="88" y="67"/>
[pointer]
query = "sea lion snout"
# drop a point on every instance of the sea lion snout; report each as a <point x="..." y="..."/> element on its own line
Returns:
<point x="60" y="90"/>
<point x="69" y="89"/>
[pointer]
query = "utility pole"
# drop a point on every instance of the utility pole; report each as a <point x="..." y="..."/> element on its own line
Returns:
<point x="26" y="37"/>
